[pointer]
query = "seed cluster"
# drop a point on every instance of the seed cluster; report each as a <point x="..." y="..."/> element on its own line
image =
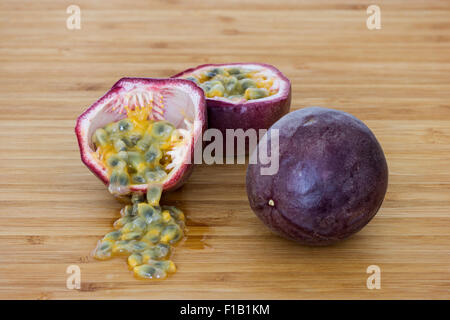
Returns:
<point x="136" y="151"/>
<point x="234" y="83"/>
<point x="145" y="233"/>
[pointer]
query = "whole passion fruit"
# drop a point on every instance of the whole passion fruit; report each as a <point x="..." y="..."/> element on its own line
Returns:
<point x="241" y="95"/>
<point x="143" y="131"/>
<point x="331" y="181"/>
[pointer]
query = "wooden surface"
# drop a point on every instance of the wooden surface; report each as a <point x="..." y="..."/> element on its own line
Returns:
<point x="53" y="210"/>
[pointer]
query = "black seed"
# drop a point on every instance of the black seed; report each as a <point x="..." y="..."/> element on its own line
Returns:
<point x="162" y="129"/>
<point x="123" y="179"/>
<point x="191" y="79"/>
<point x="149" y="271"/>
<point x="124" y="125"/>
<point x="234" y="71"/>
<point x="138" y="179"/>
<point x="247" y="83"/>
<point x="164" y="248"/>
<point x="113" y="161"/>
<point x="127" y="211"/>
<point x="173" y="231"/>
<point x="131" y="236"/>
<point x="114" y="178"/>
<point x="114" y="235"/>
<point x="230" y="84"/>
<point x="134" y="211"/>
<point x="139" y="246"/>
<point x="147" y="213"/>
<point x="135" y="138"/>
<point x="128" y="142"/>
<point x="206" y="87"/>
<point x="137" y="198"/>
<point x="212" y="73"/>
<point x="152" y="155"/>
<point x="105" y="246"/>
<point x="154" y="239"/>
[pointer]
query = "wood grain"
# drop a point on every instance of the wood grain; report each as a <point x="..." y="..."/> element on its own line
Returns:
<point x="53" y="209"/>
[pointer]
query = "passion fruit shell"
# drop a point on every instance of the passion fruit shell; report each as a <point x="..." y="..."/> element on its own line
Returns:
<point x="331" y="181"/>
<point x="178" y="101"/>
<point x="224" y="113"/>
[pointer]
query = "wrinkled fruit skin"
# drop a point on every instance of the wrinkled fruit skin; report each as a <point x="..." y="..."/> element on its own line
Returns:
<point x="253" y="114"/>
<point x="331" y="181"/>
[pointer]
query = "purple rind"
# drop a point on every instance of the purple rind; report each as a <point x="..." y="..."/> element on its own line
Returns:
<point x="332" y="178"/>
<point x="252" y="114"/>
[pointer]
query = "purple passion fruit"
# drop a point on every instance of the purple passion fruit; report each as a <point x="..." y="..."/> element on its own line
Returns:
<point x="331" y="181"/>
<point x="242" y="95"/>
<point x="143" y="131"/>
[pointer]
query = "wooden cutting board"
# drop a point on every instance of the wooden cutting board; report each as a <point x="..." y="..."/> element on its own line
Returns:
<point x="53" y="210"/>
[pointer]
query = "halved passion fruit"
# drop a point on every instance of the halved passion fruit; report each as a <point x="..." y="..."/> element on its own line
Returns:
<point x="242" y="95"/>
<point x="143" y="131"/>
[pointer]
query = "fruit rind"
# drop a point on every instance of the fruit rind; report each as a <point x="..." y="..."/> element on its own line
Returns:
<point x="252" y="114"/>
<point x="332" y="178"/>
<point x="85" y="127"/>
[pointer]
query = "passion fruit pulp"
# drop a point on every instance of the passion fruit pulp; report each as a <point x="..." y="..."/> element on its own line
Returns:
<point x="177" y="103"/>
<point x="241" y="95"/>
<point x="145" y="233"/>
<point x="331" y="181"/>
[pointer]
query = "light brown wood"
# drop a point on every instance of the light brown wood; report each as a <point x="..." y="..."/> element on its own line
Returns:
<point x="53" y="209"/>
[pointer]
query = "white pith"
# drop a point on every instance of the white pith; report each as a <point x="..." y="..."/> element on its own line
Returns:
<point x="177" y="103"/>
<point x="278" y="83"/>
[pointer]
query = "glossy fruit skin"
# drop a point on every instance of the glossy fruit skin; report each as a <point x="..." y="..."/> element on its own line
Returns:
<point x="252" y="114"/>
<point x="83" y="125"/>
<point x="331" y="181"/>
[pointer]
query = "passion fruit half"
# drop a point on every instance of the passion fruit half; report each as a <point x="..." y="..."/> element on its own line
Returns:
<point x="163" y="105"/>
<point x="242" y="95"/>
<point x="331" y="181"/>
